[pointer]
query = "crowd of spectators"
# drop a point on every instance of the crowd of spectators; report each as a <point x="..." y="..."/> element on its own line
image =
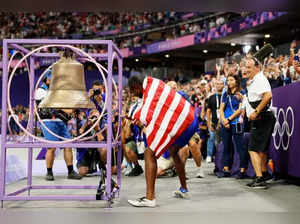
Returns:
<point x="98" y="25"/>
<point x="64" y="24"/>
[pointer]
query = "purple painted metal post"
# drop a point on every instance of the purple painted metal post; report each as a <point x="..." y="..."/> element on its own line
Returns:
<point x="31" y="102"/>
<point x="120" y="84"/>
<point x="4" y="122"/>
<point x="18" y="191"/>
<point x="63" y="145"/>
<point x="109" y="124"/>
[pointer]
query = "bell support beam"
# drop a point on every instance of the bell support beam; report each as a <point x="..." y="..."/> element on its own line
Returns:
<point x="49" y="145"/>
<point x="56" y="55"/>
<point x="56" y="41"/>
<point x="117" y="50"/>
<point x="23" y="49"/>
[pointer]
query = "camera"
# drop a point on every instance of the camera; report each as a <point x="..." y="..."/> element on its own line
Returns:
<point x="96" y="92"/>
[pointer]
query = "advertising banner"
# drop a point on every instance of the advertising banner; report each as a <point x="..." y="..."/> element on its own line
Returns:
<point x="171" y="44"/>
<point x="285" y="141"/>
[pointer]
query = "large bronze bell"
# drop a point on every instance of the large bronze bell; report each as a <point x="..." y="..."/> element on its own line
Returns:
<point x="67" y="86"/>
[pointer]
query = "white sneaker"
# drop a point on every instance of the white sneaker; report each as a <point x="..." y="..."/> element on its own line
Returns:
<point x="128" y="169"/>
<point x="200" y="173"/>
<point x="181" y="193"/>
<point x="208" y="159"/>
<point x="143" y="202"/>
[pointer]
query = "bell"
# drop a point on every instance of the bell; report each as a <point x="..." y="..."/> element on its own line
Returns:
<point x="67" y="86"/>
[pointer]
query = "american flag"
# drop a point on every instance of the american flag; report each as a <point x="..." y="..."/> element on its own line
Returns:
<point x="164" y="112"/>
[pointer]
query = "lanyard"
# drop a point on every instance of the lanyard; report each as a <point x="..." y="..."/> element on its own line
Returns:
<point x="217" y="100"/>
<point x="231" y="104"/>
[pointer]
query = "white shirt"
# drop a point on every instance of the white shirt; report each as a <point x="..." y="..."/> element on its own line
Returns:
<point x="257" y="87"/>
<point x="246" y="106"/>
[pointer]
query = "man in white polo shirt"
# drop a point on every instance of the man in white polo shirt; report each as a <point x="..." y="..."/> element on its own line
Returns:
<point x="257" y="104"/>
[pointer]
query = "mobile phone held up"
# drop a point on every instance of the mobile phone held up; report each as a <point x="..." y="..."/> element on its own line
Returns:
<point x="296" y="58"/>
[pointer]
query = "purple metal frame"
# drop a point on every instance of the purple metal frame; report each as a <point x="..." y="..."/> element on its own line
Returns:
<point x="109" y="144"/>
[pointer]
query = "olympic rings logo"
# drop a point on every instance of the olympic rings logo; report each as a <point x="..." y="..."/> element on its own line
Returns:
<point x="283" y="128"/>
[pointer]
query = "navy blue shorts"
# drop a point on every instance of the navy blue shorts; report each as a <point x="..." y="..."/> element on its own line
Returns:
<point x="188" y="133"/>
<point x="57" y="127"/>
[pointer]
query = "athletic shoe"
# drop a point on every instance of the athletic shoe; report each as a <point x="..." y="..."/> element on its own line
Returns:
<point x="181" y="193"/>
<point x="227" y="173"/>
<point x="124" y="165"/>
<point x="136" y="171"/>
<point x="74" y="176"/>
<point x="241" y="175"/>
<point x="223" y="173"/>
<point x="258" y="183"/>
<point x="143" y="202"/>
<point x="128" y="169"/>
<point x="200" y="173"/>
<point x="251" y="183"/>
<point x="267" y="176"/>
<point x="49" y="177"/>
<point x="208" y="159"/>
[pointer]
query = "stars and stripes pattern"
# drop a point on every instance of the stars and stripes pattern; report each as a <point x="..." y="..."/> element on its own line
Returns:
<point x="164" y="112"/>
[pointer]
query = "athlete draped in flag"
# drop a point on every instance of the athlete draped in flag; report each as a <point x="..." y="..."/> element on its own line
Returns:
<point x="170" y="122"/>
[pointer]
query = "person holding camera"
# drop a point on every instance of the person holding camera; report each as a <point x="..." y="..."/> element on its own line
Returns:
<point x="97" y="95"/>
<point x="132" y="135"/>
<point x="232" y="127"/>
<point x="88" y="159"/>
<point x="56" y="121"/>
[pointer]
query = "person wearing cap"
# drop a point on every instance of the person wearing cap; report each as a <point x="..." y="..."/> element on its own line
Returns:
<point x="257" y="104"/>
